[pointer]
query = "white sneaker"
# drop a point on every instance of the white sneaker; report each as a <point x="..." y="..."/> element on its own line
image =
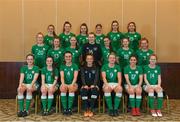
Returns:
<point x="153" y="113"/>
<point x="159" y="113"/>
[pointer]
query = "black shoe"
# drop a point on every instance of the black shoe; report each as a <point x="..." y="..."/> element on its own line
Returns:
<point x="69" y="111"/>
<point x="65" y="112"/>
<point x="111" y="113"/>
<point x="44" y="113"/>
<point x="20" y="114"/>
<point x="25" y="113"/>
<point x="116" y="113"/>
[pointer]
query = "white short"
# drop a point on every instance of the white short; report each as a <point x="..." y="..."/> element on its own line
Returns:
<point x="50" y="85"/>
<point x="36" y="86"/>
<point x="127" y="86"/>
<point x="145" y="87"/>
<point x="112" y="85"/>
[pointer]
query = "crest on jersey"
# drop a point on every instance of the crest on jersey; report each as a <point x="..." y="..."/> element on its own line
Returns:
<point x="136" y="72"/>
<point x="71" y="69"/>
<point x="44" y="49"/>
<point x="93" y="71"/>
<point x="148" y="54"/>
<point x="32" y="72"/>
<point x="155" y="71"/>
<point x="115" y="70"/>
<point x="95" y="48"/>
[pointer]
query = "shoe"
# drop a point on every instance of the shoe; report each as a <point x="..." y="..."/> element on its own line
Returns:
<point x="65" y="112"/>
<point x="44" y="113"/>
<point x="133" y="111"/>
<point x="69" y="111"/>
<point x="153" y="113"/>
<point x="116" y="112"/>
<point x="90" y="113"/>
<point x="86" y="114"/>
<point x="20" y="114"/>
<point x="159" y="113"/>
<point x="111" y="113"/>
<point x="25" y="113"/>
<point x="138" y="113"/>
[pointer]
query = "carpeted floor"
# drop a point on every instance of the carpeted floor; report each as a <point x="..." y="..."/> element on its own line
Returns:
<point x="7" y="113"/>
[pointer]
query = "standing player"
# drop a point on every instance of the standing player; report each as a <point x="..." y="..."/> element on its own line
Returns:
<point x="133" y="36"/>
<point x="99" y="35"/>
<point x="124" y="53"/>
<point x="92" y="48"/>
<point x="27" y="82"/>
<point x="115" y="35"/>
<point x="89" y="89"/>
<point x="48" y="39"/>
<point x="68" y="73"/>
<point x="82" y="37"/>
<point x="74" y="50"/>
<point x="152" y="78"/>
<point x="111" y="75"/>
<point x="106" y="50"/>
<point x="56" y="52"/>
<point x="40" y="51"/>
<point x="66" y="35"/>
<point x="144" y="52"/>
<point x="49" y="76"/>
<point x="134" y="78"/>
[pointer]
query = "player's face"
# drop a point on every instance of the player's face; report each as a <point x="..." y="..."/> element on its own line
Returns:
<point x="106" y="42"/>
<point x="125" y="42"/>
<point x="115" y="26"/>
<point x="91" y="38"/>
<point x="131" y="27"/>
<point x="89" y="59"/>
<point x="98" y="29"/>
<point x="112" y="59"/>
<point x="152" y="60"/>
<point x="49" y="61"/>
<point x="73" y="41"/>
<point x="67" y="27"/>
<point x="144" y="44"/>
<point x="30" y="60"/>
<point x="83" y="29"/>
<point x="133" y="61"/>
<point x="50" y="29"/>
<point x="56" y="43"/>
<point x="39" y="39"/>
<point x="68" y="57"/>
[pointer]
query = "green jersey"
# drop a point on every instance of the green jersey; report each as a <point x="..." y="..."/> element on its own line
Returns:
<point x="48" y="40"/>
<point x="111" y="72"/>
<point x="124" y="56"/>
<point x="81" y="39"/>
<point x="133" y="74"/>
<point x="134" y="39"/>
<point x="49" y="75"/>
<point x="152" y="74"/>
<point x="40" y="53"/>
<point x="57" y="56"/>
<point x="143" y="56"/>
<point x="69" y="72"/>
<point x="29" y="73"/>
<point x="100" y="39"/>
<point x="75" y="55"/>
<point x="105" y="54"/>
<point x="115" y="39"/>
<point x="65" y="39"/>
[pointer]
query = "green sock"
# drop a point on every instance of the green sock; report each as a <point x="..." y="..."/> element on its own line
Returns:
<point x="132" y="101"/>
<point x="21" y="102"/>
<point x="151" y="102"/>
<point x="159" y="103"/>
<point x="64" y="100"/>
<point x="138" y="101"/>
<point x="108" y="100"/>
<point x="28" y="101"/>
<point x="70" y="100"/>
<point x="50" y="101"/>
<point x="117" y="100"/>
<point x="44" y="102"/>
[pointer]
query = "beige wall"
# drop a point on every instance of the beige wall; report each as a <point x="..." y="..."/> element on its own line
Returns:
<point x="20" y="20"/>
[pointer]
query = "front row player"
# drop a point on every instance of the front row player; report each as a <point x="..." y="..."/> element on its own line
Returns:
<point x="152" y="78"/>
<point x="28" y="77"/>
<point x="134" y="78"/>
<point x="111" y="76"/>
<point x="68" y="73"/>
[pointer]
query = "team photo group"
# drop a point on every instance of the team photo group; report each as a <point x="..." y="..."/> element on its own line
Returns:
<point x="90" y="64"/>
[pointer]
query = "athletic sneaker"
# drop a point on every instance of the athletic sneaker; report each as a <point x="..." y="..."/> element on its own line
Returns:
<point x="159" y="113"/>
<point x="153" y="113"/>
<point x="138" y="113"/>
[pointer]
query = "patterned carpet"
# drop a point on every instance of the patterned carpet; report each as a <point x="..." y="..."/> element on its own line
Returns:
<point x="7" y="113"/>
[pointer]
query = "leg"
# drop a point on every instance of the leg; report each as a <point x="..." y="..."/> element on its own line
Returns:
<point x="29" y="97"/>
<point x="51" y="91"/>
<point x="160" y="100"/>
<point x="63" y="90"/>
<point x="44" y="98"/>
<point x="84" y="97"/>
<point x="138" y="91"/>
<point x="21" y="89"/>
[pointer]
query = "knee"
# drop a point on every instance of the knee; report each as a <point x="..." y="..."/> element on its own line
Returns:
<point x="84" y="92"/>
<point x="150" y="90"/>
<point x="118" y="89"/>
<point x="43" y="90"/>
<point x="106" y="89"/>
<point x="94" y="91"/>
<point x="63" y="89"/>
<point x="138" y="91"/>
<point x="130" y="91"/>
<point x="72" y="88"/>
<point x="20" y="90"/>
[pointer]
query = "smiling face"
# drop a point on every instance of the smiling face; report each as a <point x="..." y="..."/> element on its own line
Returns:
<point x="68" y="57"/>
<point x="144" y="44"/>
<point x="67" y="28"/>
<point x="56" y="42"/>
<point x="73" y="41"/>
<point x="30" y="60"/>
<point x="83" y="30"/>
<point x="152" y="60"/>
<point x="39" y="39"/>
<point x="89" y="59"/>
<point x="133" y="61"/>
<point x="50" y="29"/>
<point x="91" y="38"/>
<point x="98" y="29"/>
<point x="115" y="26"/>
<point x="112" y="59"/>
<point x="125" y="42"/>
<point x="49" y="61"/>
<point x="106" y="42"/>
<point x="131" y="27"/>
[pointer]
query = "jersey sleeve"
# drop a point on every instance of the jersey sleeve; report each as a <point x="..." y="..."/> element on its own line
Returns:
<point x="36" y="69"/>
<point x="103" y="68"/>
<point x="22" y="70"/>
<point x="43" y="71"/>
<point x="140" y="70"/>
<point x="56" y="72"/>
<point x="126" y="70"/>
<point x="76" y="67"/>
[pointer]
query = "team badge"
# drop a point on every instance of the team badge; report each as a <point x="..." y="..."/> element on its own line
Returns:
<point x="148" y="54"/>
<point x="115" y="70"/>
<point x="136" y="72"/>
<point x="93" y="71"/>
<point x="155" y="71"/>
<point x="32" y="72"/>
